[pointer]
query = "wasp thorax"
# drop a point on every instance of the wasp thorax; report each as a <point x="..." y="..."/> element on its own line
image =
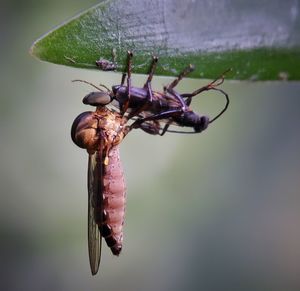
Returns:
<point x="84" y="131"/>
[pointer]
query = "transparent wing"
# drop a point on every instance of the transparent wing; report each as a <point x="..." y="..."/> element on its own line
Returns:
<point x="95" y="174"/>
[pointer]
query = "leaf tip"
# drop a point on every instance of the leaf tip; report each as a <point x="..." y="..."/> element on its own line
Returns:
<point x="33" y="50"/>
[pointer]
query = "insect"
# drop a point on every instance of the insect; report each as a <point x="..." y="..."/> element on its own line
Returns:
<point x="153" y="106"/>
<point x="100" y="133"/>
<point x="106" y="65"/>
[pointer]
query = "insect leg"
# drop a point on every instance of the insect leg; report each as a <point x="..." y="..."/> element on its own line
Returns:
<point x="185" y="72"/>
<point x="152" y="127"/>
<point x="165" y="128"/>
<point x="129" y="67"/>
<point x="128" y="89"/>
<point x="123" y="79"/>
<point x="188" y="101"/>
<point x="212" y="85"/>
<point x="147" y="86"/>
<point x="124" y="74"/>
<point x="162" y="115"/>
<point x="178" y="97"/>
<point x="152" y="70"/>
<point x="151" y="73"/>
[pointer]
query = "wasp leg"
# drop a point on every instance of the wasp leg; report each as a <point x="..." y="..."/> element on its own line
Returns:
<point x="188" y="101"/>
<point x="128" y="88"/>
<point x="125" y="71"/>
<point x="184" y="73"/>
<point x="147" y="86"/>
<point x="211" y="86"/>
<point x="165" y="128"/>
<point x="162" y="115"/>
<point x="151" y="128"/>
<point x="123" y="78"/>
<point x="151" y="73"/>
<point x="179" y="98"/>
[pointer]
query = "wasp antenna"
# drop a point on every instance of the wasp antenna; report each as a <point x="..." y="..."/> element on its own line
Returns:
<point x="102" y="85"/>
<point x="86" y="82"/>
<point x="225" y="107"/>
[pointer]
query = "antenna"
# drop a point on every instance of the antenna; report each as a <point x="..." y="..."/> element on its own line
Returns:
<point x="225" y="107"/>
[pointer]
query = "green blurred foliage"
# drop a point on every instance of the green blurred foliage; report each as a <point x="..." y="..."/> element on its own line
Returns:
<point x="215" y="211"/>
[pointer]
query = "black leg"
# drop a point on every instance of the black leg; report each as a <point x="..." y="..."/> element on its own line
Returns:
<point x="129" y="68"/>
<point x="188" y="101"/>
<point x="147" y="86"/>
<point x="184" y="73"/>
<point x="123" y="79"/>
<point x="178" y="97"/>
<point x="215" y="83"/>
<point x="152" y="127"/>
<point x="125" y="71"/>
<point x="165" y="128"/>
<point x="128" y="88"/>
<point x="162" y="115"/>
<point x="151" y="73"/>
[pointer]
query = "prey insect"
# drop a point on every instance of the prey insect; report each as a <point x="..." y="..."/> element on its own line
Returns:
<point x="152" y="107"/>
<point x="106" y="65"/>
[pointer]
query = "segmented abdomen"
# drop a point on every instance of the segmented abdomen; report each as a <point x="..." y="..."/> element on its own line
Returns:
<point x="113" y="202"/>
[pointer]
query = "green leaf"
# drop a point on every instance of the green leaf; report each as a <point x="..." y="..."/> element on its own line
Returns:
<point x="259" y="40"/>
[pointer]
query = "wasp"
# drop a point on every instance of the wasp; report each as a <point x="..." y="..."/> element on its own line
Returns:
<point x="152" y="106"/>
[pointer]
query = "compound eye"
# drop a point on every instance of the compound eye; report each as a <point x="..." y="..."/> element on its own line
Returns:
<point x="84" y="131"/>
<point x="97" y="99"/>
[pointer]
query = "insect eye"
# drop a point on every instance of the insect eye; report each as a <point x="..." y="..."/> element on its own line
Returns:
<point x="84" y="131"/>
<point x="97" y="99"/>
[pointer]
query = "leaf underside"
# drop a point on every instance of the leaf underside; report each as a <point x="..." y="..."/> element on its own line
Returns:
<point x="256" y="46"/>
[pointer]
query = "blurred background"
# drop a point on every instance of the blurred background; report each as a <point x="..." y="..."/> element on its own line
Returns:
<point x="214" y="211"/>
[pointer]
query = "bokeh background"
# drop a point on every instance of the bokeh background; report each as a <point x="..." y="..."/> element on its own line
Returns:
<point x="214" y="211"/>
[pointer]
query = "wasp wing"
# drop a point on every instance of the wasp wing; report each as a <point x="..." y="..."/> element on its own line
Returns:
<point x="95" y="188"/>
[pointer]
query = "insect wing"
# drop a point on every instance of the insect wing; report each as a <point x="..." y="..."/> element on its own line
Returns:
<point x="95" y="174"/>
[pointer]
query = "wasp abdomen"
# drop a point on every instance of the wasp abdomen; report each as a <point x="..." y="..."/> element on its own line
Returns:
<point x="114" y="200"/>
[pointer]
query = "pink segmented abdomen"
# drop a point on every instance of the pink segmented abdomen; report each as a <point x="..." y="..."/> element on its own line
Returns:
<point x="114" y="201"/>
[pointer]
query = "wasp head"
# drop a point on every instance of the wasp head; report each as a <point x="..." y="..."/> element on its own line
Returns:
<point x="99" y="98"/>
<point x="192" y="119"/>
